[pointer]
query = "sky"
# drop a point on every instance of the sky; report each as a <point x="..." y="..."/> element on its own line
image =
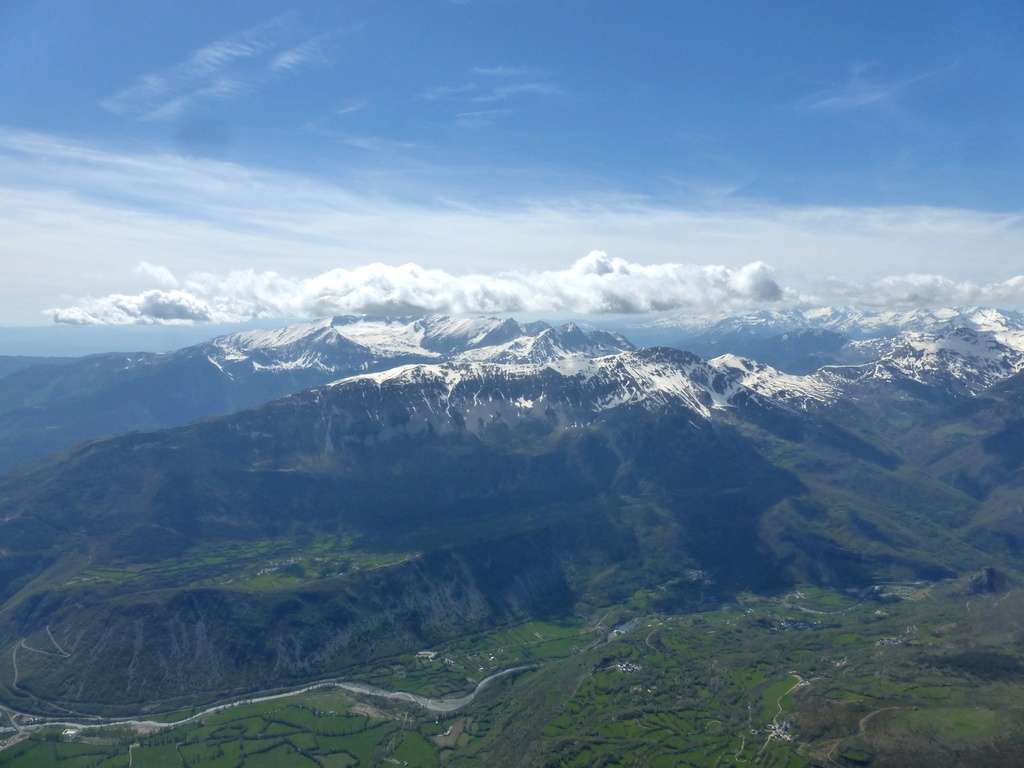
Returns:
<point x="210" y="163"/>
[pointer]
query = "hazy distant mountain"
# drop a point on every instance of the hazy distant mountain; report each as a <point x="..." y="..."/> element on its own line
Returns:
<point x="851" y="322"/>
<point x="13" y="363"/>
<point x="955" y="361"/>
<point x="44" y="408"/>
<point x="800" y="341"/>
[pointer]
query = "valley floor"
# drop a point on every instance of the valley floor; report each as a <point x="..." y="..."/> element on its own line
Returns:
<point x="910" y="675"/>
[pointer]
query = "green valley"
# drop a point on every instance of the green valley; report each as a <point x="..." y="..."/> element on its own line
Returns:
<point x="811" y="677"/>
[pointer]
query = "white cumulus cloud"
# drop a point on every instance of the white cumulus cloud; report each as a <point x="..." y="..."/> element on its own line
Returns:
<point x="160" y="273"/>
<point x="926" y="290"/>
<point x="155" y="307"/>
<point x="76" y="218"/>
<point x="595" y="284"/>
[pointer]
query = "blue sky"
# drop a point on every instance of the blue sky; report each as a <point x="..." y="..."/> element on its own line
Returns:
<point x="198" y="161"/>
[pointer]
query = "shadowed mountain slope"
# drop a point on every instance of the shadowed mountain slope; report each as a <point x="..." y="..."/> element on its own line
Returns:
<point x="392" y="510"/>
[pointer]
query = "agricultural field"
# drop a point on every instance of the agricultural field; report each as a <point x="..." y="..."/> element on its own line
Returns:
<point x="269" y="564"/>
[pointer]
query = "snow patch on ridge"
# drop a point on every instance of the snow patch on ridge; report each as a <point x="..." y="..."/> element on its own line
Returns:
<point x="959" y="359"/>
<point x="776" y="385"/>
<point x="650" y="379"/>
<point x="351" y="344"/>
<point x="855" y="323"/>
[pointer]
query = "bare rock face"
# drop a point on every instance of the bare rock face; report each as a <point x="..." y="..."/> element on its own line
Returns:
<point x="984" y="582"/>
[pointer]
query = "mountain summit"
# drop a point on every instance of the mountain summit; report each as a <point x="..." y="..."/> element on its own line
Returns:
<point x="49" y="407"/>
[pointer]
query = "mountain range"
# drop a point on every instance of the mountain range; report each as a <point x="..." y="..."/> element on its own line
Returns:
<point x="47" y="407"/>
<point x="469" y="473"/>
<point x="51" y="404"/>
<point x="801" y="341"/>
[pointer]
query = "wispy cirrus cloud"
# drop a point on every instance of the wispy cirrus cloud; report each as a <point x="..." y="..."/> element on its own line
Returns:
<point x="350" y="107"/>
<point x="449" y="91"/>
<point x="480" y="118"/>
<point x="861" y="90"/>
<point x="508" y="91"/>
<point x="512" y="82"/>
<point x="328" y="124"/>
<point x="476" y="93"/>
<point x="226" y="68"/>
<point x="311" y="51"/>
<point x="502" y="71"/>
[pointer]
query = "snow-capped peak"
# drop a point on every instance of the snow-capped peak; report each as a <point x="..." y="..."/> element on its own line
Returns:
<point x="959" y="359"/>
<point x="852" y="322"/>
<point x="774" y="384"/>
<point x="573" y="390"/>
<point x="350" y="344"/>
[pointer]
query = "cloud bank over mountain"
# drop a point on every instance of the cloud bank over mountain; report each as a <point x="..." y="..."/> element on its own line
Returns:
<point x="595" y="284"/>
<point x="917" y="290"/>
<point x="224" y="241"/>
